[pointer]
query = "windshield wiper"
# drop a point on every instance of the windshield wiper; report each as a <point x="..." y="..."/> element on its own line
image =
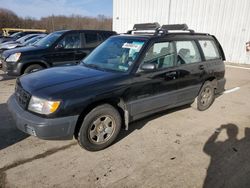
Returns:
<point x="91" y="65"/>
<point x="94" y="66"/>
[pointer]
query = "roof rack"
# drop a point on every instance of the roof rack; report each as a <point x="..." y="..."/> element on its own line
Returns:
<point x="145" y="28"/>
<point x="176" y="27"/>
<point x="156" y="29"/>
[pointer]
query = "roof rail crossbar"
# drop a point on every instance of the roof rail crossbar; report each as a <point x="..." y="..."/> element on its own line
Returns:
<point x="147" y="26"/>
<point x="144" y="27"/>
<point x="176" y="27"/>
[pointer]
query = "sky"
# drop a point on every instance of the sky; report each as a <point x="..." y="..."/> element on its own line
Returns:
<point x="41" y="8"/>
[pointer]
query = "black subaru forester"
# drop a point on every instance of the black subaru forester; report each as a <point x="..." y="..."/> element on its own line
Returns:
<point x="129" y="76"/>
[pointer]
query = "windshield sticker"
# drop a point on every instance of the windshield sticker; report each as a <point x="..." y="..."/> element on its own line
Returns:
<point x="135" y="45"/>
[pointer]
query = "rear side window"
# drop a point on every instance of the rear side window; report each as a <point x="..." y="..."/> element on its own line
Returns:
<point x="209" y="49"/>
<point x="162" y="54"/>
<point x="107" y="35"/>
<point x="92" y="40"/>
<point x="187" y="52"/>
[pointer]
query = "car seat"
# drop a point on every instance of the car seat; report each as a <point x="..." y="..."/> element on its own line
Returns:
<point x="183" y="56"/>
<point x="167" y="59"/>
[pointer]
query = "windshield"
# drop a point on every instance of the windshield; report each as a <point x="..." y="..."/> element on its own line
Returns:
<point x="32" y="40"/>
<point x="48" y="40"/>
<point x="117" y="54"/>
<point x="15" y="34"/>
<point x="24" y="38"/>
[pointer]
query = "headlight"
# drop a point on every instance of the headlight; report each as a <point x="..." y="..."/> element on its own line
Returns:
<point x="14" y="57"/>
<point x="43" y="106"/>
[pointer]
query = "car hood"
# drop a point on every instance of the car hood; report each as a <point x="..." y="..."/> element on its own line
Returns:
<point x="23" y="50"/>
<point x="62" y="79"/>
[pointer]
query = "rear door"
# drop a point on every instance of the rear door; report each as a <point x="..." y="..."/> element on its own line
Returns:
<point x="66" y="49"/>
<point x="214" y="56"/>
<point x="90" y="40"/>
<point x="191" y="70"/>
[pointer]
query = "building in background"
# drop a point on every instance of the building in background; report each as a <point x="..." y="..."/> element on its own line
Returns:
<point x="228" y="20"/>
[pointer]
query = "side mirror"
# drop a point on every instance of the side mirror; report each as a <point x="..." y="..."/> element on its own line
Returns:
<point x="148" y="67"/>
<point x="59" y="46"/>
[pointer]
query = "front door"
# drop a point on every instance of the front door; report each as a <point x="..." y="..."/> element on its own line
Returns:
<point x="66" y="49"/>
<point x="154" y="90"/>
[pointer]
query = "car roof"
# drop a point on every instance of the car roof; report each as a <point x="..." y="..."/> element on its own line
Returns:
<point x="176" y="35"/>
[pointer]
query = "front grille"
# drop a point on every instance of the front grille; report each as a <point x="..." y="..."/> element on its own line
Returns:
<point x="22" y="96"/>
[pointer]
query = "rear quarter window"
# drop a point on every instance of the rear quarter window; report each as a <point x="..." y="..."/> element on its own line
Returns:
<point x="209" y="49"/>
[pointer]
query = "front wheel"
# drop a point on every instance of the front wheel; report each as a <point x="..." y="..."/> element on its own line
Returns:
<point x="33" y="68"/>
<point x="206" y="96"/>
<point x="100" y="128"/>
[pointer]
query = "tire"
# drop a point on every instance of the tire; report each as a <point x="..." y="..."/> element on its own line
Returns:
<point x="206" y="96"/>
<point x="33" y="68"/>
<point x="99" y="128"/>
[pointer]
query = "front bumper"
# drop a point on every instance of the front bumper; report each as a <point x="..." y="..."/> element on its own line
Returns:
<point x="48" y="129"/>
<point x="10" y="68"/>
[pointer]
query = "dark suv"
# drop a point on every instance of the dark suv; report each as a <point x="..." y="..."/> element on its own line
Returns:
<point x="66" y="47"/>
<point x="127" y="77"/>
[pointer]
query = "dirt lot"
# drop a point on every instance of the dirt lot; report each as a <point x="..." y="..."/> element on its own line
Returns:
<point x="177" y="148"/>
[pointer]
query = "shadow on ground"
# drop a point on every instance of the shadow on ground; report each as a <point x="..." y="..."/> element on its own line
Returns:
<point x="139" y="124"/>
<point x="230" y="159"/>
<point x="9" y="134"/>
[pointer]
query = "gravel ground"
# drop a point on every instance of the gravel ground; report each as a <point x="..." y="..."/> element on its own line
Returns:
<point x="176" y="148"/>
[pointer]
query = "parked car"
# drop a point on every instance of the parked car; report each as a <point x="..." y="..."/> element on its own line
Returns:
<point x="66" y="47"/>
<point x="32" y="41"/>
<point x="17" y="35"/>
<point x="124" y="79"/>
<point x="19" y="42"/>
<point x="10" y="31"/>
<point x="29" y="42"/>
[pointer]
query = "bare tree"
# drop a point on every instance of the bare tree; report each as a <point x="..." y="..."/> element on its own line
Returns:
<point x="53" y="23"/>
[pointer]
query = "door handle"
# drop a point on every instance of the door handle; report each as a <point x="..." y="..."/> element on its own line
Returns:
<point x="201" y="67"/>
<point x="171" y="75"/>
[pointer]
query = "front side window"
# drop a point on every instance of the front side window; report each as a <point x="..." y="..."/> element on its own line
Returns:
<point x="161" y="54"/>
<point x="115" y="54"/>
<point x="187" y="52"/>
<point x="209" y="49"/>
<point x="70" y="41"/>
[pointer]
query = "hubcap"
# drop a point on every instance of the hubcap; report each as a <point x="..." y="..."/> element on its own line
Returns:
<point x="206" y="96"/>
<point x="34" y="70"/>
<point x="102" y="129"/>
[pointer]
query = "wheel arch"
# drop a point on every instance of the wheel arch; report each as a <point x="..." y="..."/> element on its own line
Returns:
<point x="117" y="103"/>
<point x="25" y="65"/>
<point x="213" y="81"/>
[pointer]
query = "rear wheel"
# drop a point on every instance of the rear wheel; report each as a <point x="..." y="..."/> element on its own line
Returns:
<point x="206" y="96"/>
<point x="33" y="68"/>
<point x="100" y="128"/>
